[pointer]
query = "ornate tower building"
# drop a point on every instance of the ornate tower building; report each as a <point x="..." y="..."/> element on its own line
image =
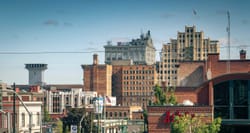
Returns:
<point x="139" y="51"/>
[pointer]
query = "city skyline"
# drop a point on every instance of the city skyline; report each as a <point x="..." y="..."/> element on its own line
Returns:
<point x="66" y="34"/>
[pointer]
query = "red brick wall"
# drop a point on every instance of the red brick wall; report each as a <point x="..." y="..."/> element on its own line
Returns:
<point x="190" y="74"/>
<point x="156" y="116"/>
<point x="219" y="67"/>
<point x="95" y="78"/>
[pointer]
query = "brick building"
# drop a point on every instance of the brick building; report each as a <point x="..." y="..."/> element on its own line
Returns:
<point x="97" y="77"/>
<point x="221" y="92"/>
<point x="133" y="84"/>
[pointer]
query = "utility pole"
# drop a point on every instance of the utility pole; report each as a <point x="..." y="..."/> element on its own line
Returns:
<point x="14" y="109"/>
<point x="228" y="41"/>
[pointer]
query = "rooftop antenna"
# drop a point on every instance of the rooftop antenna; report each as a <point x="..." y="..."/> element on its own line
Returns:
<point x="228" y="37"/>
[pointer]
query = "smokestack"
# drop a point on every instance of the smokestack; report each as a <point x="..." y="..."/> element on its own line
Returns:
<point x="95" y="59"/>
<point x="242" y="54"/>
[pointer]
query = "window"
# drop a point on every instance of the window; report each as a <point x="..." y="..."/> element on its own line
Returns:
<point x="231" y="99"/>
<point x="38" y="118"/>
<point x="125" y="114"/>
<point x="23" y="120"/>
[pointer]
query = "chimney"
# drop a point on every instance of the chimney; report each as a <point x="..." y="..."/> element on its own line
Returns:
<point x="95" y="59"/>
<point x="242" y="54"/>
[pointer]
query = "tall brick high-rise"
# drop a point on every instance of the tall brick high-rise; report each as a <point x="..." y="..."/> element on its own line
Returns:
<point x="97" y="77"/>
<point x="133" y="84"/>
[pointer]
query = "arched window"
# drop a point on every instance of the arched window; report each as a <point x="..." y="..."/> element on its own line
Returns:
<point x="231" y="99"/>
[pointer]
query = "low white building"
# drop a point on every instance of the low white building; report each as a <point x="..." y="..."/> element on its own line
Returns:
<point x="35" y="108"/>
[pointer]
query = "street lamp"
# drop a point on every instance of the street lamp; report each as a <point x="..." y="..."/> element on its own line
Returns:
<point x="8" y="119"/>
<point x="30" y="115"/>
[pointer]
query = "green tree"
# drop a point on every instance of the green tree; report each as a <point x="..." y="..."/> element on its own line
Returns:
<point x="59" y="127"/>
<point x="188" y="124"/>
<point x="172" y="98"/>
<point x="87" y="124"/>
<point x="46" y="116"/>
<point x="145" y="117"/>
<point x="161" y="96"/>
<point x="73" y="117"/>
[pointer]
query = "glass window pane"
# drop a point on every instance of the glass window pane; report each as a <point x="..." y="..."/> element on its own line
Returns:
<point x="221" y="94"/>
<point x="240" y="113"/>
<point x="240" y="92"/>
<point x="222" y="112"/>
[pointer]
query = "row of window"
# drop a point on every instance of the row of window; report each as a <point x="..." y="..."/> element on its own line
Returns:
<point x="161" y="77"/>
<point x="137" y="88"/>
<point x="168" y="60"/>
<point x="168" y="72"/>
<point x="196" y="35"/>
<point x="138" y="77"/>
<point x="138" y="71"/>
<point x="138" y="83"/>
<point x="116" y="114"/>
<point x="138" y="93"/>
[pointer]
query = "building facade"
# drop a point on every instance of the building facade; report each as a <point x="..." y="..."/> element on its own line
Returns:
<point x="56" y="100"/>
<point x="33" y="102"/>
<point x="97" y="77"/>
<point x="222" y="93"/>
<point x="189" y="46"/>
<point x="139" y="51"/>
<point x="133" y="84"/>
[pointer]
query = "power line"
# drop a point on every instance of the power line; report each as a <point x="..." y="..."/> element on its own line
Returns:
<point x="79" y="52"/>
<point x="49" y="52"/>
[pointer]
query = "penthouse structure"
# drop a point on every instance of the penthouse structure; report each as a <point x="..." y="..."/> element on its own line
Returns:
<point x="139" y="51"/>
<point x="189" y="46"/>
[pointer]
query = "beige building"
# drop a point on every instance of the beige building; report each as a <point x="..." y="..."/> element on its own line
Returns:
<point x="189" y="46"/>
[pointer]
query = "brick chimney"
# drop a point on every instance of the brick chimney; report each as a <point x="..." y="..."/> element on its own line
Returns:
<point x="95" y="59"/>
<point x="242" y="54"/>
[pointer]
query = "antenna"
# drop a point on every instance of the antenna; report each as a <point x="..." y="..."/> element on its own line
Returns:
<point x="228" y="37"/>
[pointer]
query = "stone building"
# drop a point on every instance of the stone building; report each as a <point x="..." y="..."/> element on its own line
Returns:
<point x="139" y="51"/>
<point x="189" y="46"/>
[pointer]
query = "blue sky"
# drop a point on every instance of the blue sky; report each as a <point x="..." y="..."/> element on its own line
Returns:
<point x="86" y="26"/>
